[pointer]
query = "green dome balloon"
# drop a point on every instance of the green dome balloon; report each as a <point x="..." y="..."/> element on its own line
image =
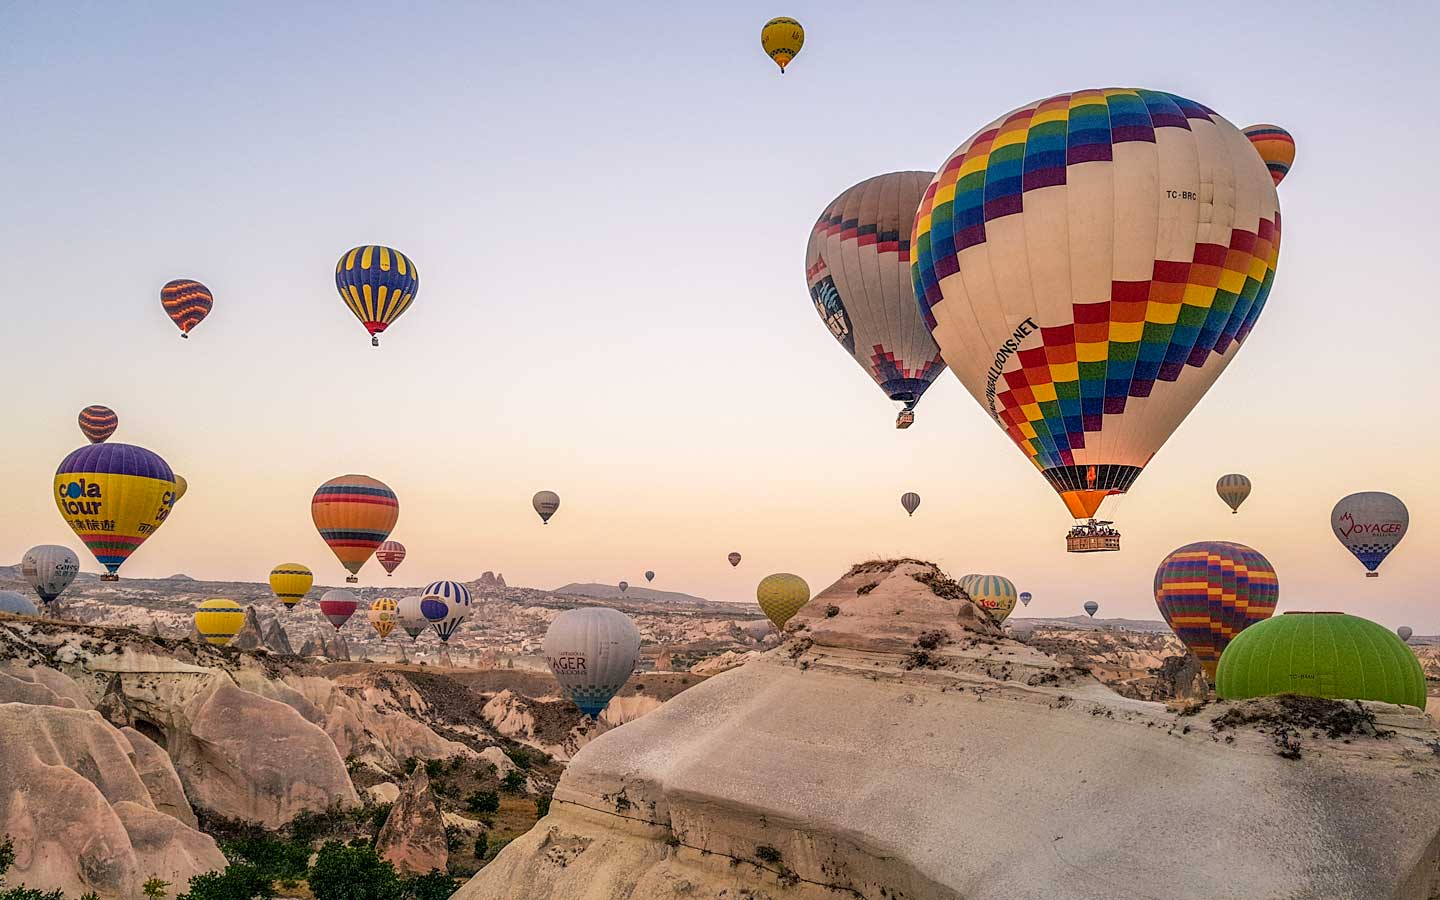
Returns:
<point x="1330" y="655"/>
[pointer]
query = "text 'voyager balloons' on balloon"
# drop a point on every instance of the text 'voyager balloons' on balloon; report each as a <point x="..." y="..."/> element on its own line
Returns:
<point x="187" y="303"/>
<point x="781" y="596"/>
<point x="97" y="423"/>
<point x="378" y="284"/>
<point x="1370" y="524"/>
<point x="782" y="38"/>
<point x="337" y="606"/>
<point x="114" y="496"/>
<point x="290" y="582"/>
<point x="1089" y="264"/>
<point x="354" y="515"/>
<point x="1233" y="489"/>
<point x="546" y="503"/>
<point x="219" y="620"/>
<point x="390" y="555"/>
<point x="49" y="569"/>
<point x="592" y="652"/>
<point x="445" y="604"/>
<point x="1211" y="591"/>
<point x="857" y="266"/>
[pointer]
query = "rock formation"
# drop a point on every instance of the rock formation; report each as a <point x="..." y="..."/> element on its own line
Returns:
<point x="899" y="746"/>
<point x="262" y="630"/>
<point x="413" y="836"/>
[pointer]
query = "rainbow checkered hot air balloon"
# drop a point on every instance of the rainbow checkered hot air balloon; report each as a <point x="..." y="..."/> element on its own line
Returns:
<point x="1211" y="591"/>
<point x="354" y="514"/>
<point x="378" y="284"/>
<point x="187" y="303"/>
<point x="1089" y="264"/>
<point x="114" y="496"/>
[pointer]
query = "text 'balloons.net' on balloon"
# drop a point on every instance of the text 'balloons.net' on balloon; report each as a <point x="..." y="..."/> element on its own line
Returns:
<point x="1233" y="489"/>
<point x="781" y="596"/>
<point x="781" y="38"/>
<point x="1089" y="264"/>
<point x="337" y="606"/>
<point x="592" y="652"/>
<point x="97" y="423"/>
<point x="378" y="284"/>
<point x="354" y="515"/>
<point x="857" y="267"/>
<point x="546" y="503"/>
<point x="114" y="496"/>
<point x="290" y="582"/>
<point x="49" y="569"/>
<point x="1370" y="525"/>
<point x="1210" y="591"/>
<point x="219" y="620"/>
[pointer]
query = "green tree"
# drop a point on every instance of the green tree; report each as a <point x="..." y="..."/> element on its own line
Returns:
<point x="482" y="844"/>
<point x="155" y="888"/>
<point x="433" y="885"/>
<point x="353" y="872"/>
<point x="272" y="857"/>
<point x="483" y="802"/>
<point x="514" y="782"/>
<point x="238" y="882"/>
<point x="542" y="806"/>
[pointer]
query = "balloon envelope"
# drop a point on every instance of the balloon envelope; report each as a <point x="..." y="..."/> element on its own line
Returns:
<point x="381" y="615"/>
<point x="187" y="303"/>
<point x="1275" y="146"/>
<point x="781" y="596"/>
<point x="1405" y="633"/>
<point x="445" y="604"/>
<point x="181" y="486"/>
<point x="407" y="612"/>
<point x="910" y="501"/>
<point x="649" y="575"/>
<point x="1370" y="524"/>
<point x="1025" y="598"/>
<point x="98" y="422"/>
<point x="592" y="652"/>
<point x="1233" y="489"/>
<point x="1211" y="591"/>
<point x="338" y="605"/>
<point x="17" y="604"/>
<point x="290" y="582"/>
<point x="857" y="266"/>
<point x="994" y="593"/>
<point x="546" y="503"/>
<point x="354" y="515"/>
<point x="219" y="620"/>
<point x="378" y="284"/>
<point x="390" y="555"/>
<point x="1089" y="264"/>
<point x="1091" y="608"/>
<point x="782" y="38"/>
<point x="114" y="496"/>
<point x="734" y="559"/>
<point x="49" y="569"/>
<point x="624" y="586"/>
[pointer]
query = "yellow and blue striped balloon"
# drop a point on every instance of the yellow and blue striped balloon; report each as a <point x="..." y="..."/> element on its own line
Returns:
<point x="994" y="592"/>
<point x="378" y="284"/>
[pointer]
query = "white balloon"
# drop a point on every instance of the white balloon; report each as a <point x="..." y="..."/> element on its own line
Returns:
<point x="17" y="604"/>
<point x="409" y="617"/>
<point x="1370" y="524"/>
<point x="592" y="652"/>
<point x="49" y="568"/>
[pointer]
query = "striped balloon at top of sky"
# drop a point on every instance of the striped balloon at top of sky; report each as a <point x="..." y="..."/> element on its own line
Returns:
<point x="378" y="284"/>
<point x="187" y="303"/>
<point x="1088" y="265"/>
<point x="354" y="515"/>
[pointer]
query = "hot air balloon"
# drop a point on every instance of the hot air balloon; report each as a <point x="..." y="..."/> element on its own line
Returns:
<point x="857" y="266"/>
<point x="354" y="514"/>
<point x="382" y="616"/>
<point x="1233" y="489"/>
<point x="187" y="303"/>
<point x="378" y="284"/>
<point x="114" y="496"/>
<point x="290" y="582"/>
<point x="390" y="555"/>
<point x="407" y="612"/>
<point x="17" y="604"/>
<point x="98" y="422"/>
<point x="338" y="605"/>
<point x="994" y="593"/>
<point x="1275" y="146"/>
<point x="967" y="581"/>
<point x="1405" y="633"/>
<point x="649" y="575"/>
<point x="734" y="559"/>
<point x="1089" y="264"/>
<point x="781" y="596"/>
<point x="592" y="652"/>
<point x="1091" y="608"/>
<point x="546" y="503"/>
<point x="219" y="620"/>
<point x="49" y="569"/>
<point x="910" y="501"/>
<point x="181" y="486"/>
<point x="624" y="586"/>
<point x="1370" y="524"/>
<point x="1211" y="591"/>
<point x="451" y="600"/>
<point x="1025" y="598"/>
<point x="782" y="39"/>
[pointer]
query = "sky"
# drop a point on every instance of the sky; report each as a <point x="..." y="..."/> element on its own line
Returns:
<point x="608" y="205"/>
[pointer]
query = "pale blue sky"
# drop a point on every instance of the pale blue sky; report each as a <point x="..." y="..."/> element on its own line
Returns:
<point x="608" y="204"/>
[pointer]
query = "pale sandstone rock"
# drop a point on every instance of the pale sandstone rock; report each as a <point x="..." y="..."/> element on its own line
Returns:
<point x="413" y="837"/>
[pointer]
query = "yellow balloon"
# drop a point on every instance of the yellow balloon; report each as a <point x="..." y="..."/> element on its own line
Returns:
<point x="382" y="616"/>
<point x="219" y="620"/>
<point x="181" y="486"/>
<point x="782" y="38"/>
<point x="993" y="592"/>
<point x="290" y="582"/>
<point x="114" y="496"/>
<point x="781" y="596"/>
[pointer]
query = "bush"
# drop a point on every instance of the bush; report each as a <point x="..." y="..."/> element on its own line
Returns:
<point x="514" y="782"/>
<point x="433" y="885"/>
<point x="483" y="802"/>
<point x="542" y="806"/>
<point x="378" y="814"/>
<point x="155" y="888"/>
<point x="309" y="827"/>
<point x="353" y="872"/>
<point x="273" y="858"/>
<point x="434" y="768"/>
<point x="238" y="882"/>
<point x="454" y="838"/>
<point x="482" y="844"/>
<point x="410" y="764"/>
<point x="520" y="756"/>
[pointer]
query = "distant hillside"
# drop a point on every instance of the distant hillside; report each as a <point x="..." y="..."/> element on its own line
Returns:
<point x="1087" y="623"/>
<point x="611" y="592"/>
